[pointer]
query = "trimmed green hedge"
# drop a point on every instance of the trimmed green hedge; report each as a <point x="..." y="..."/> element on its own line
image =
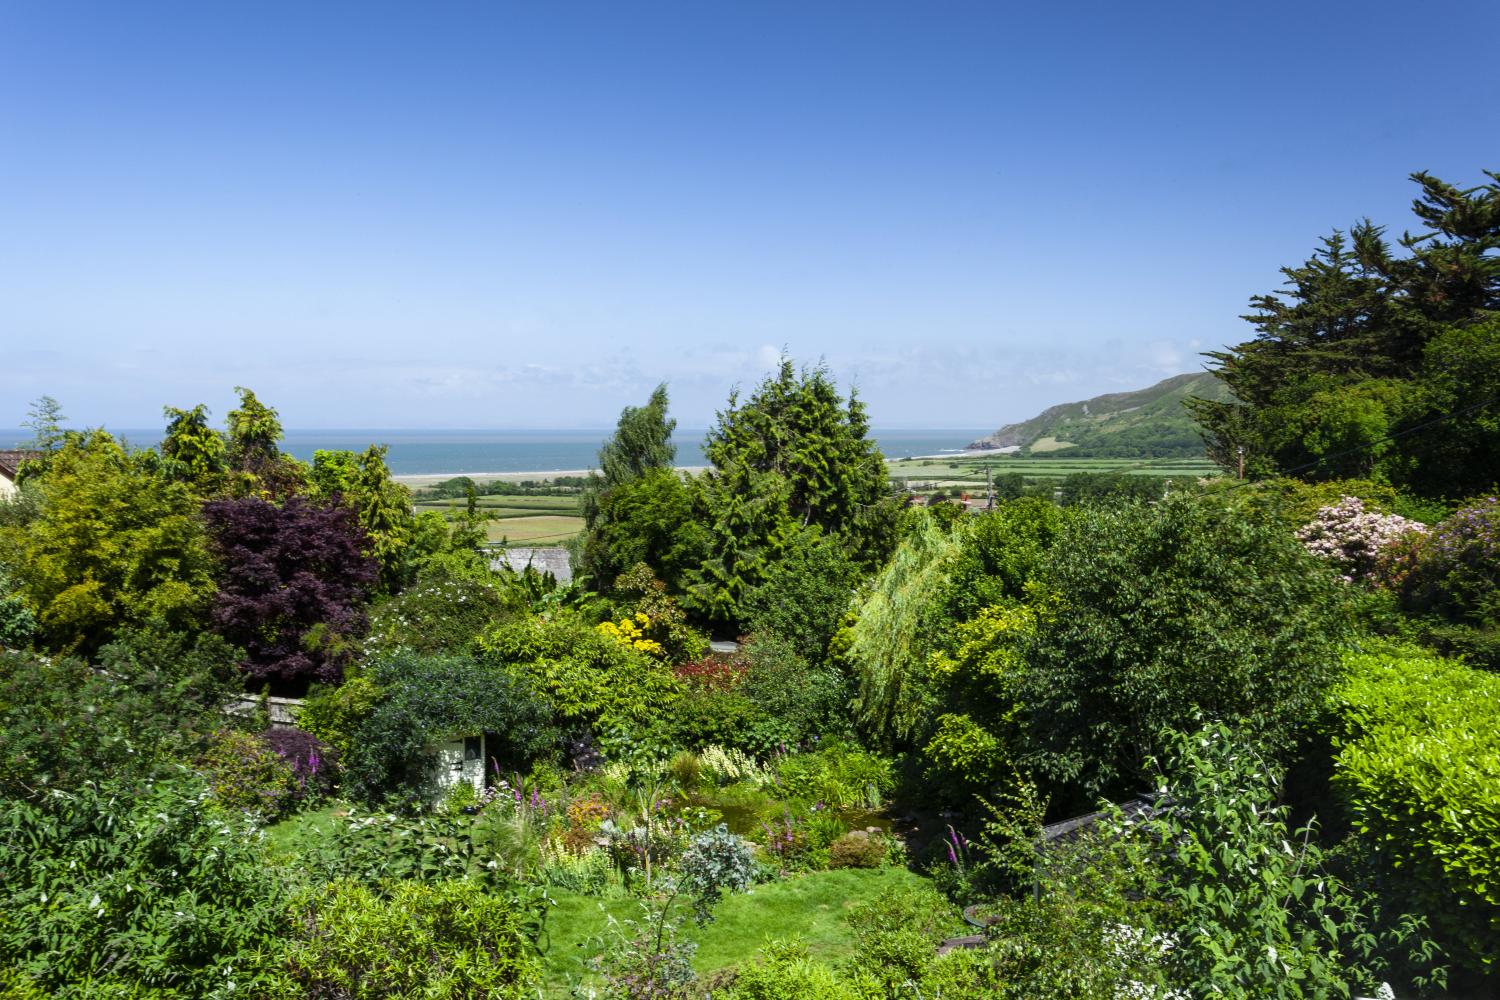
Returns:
<point x="1417" y="767"/>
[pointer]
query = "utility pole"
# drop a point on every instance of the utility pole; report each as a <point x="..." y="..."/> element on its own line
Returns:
<point x="989" y="490"/>
<point x="1241" y="450"/>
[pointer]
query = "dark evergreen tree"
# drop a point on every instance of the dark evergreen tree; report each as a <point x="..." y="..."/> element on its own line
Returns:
<point x="1338" y="380"/>
<point x="795" y="455"/>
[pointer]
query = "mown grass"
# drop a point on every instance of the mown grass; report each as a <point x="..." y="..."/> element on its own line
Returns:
<point x="811" y="907"/>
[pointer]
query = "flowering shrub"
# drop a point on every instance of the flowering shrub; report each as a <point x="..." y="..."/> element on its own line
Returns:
<point x="712" y="673"/>
<point x="313" y="765"/>
<point x="786" y="841"/>
<point x="644" y="594"/>
<point x="1453" y="574"/>
<point x="1354" y="539"/>
<point x="588" y="811"/>
<point x="634" y="631"/>
<point x="728" y="766"/>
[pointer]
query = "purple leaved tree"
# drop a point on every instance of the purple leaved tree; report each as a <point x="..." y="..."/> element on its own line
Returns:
<point x="293" y="585"/>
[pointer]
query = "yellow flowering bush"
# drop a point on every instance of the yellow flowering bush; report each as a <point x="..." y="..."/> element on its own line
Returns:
<point x="634" y="631"/>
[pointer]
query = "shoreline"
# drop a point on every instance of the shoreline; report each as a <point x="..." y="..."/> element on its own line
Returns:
<point x="420" y="479"/>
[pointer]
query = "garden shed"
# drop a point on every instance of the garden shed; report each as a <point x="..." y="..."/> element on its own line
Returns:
<point x="461" y="761"/>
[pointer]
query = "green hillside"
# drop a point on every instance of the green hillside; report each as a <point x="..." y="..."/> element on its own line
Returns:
<point x="1146" y="423"/>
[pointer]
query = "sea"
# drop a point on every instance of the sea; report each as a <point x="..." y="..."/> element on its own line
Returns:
<point x="464" y="452"/>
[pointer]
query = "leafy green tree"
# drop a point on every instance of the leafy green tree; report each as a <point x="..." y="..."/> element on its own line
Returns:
<point x="113" y="545"/>
<point x="1459" y="454"/>
<point x="1150" y="615"/>
<point x="642" y="442"/>
<point x="254" y="452"/>
<point x="17" y="623"/>
<point x="45" y="420"/>
<point x="651" y="520"/>
<point x="894" y="632"/>
<point x="194" y="452"/>
<point x="335" y="472"/>
<point x="424" y="698"/>
<point x="383" y="511"/>
<point x="634" y="464"/>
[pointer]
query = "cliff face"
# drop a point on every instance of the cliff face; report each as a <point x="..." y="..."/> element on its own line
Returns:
<point x="1149" y="422"/>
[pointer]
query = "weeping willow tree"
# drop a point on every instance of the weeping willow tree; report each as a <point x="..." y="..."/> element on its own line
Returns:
<point x="894" y="631"/>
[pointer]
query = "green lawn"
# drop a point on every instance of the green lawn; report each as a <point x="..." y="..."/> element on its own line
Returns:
<point x="811" y="907"/>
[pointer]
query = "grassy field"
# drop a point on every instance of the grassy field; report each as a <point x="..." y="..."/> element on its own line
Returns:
<point x="521" y="520"/>
<point x="811" y="907"/>
<point x="569" y="504"/>
<point x="543" y="529"/>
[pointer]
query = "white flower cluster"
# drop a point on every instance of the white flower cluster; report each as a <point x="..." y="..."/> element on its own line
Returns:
<point x="1354" y="538"/>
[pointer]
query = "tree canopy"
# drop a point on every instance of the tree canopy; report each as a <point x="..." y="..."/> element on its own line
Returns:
<point x="1353" y="370"/>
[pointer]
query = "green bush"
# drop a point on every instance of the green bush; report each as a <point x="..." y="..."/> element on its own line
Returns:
<point x="245" y="774"/>
<point x="857" y="849"/>
<point x="804" y="595"/>
<point x="128" y="889"/>
<point x="334" y="714"/>
<point x="155" y="698"/>
<point x="784" y="972"/>
<point x="425" y="699"/>
<point x="443" y="615"/>
<point x="897" y="932"/>
<point x="1417" y="768"/>
<point x="1251" y="906"/>
<point x="1450" y="575"/>
<point x="797" y="701"/>
<point x="1152" y="614"/>
<point x="440" y="941"/>
<point x="589" y="678"/>
<point x="839" y="775"/>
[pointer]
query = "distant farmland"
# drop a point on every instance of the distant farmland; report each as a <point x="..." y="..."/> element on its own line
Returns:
<point x="969" y="471"/>
<point x="554" y="520"/>
<point x="520" y="520"/>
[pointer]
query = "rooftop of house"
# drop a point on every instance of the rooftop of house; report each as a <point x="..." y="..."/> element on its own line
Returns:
<point x="10" y="462"/>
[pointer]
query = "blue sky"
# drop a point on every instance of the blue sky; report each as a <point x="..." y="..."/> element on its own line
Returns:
<point x="513" y="215"/>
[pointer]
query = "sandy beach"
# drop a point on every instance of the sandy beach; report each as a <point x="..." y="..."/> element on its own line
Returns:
<point x="430" y="479"/>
